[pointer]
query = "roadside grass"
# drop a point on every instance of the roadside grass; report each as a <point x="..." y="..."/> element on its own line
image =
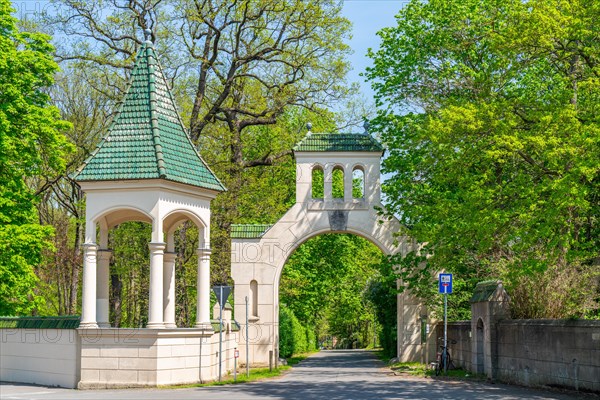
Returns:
<point x="256" y="374"/>
<point x="423" y="371"/>
<point x="426" y="371"/>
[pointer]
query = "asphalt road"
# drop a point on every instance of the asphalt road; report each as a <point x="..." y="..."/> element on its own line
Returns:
<point x="329" y="375"/>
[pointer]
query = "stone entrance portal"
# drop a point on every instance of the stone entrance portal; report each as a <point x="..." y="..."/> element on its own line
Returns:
<point x="259" y="252"/>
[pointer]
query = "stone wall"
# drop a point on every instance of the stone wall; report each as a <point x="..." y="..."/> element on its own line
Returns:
<point x="559" y="353"/>
<point x="113" y="357"/>
<point x="461" y="350"/>
<point x="41" y="356"/>
<point x="152" y="357"/>
<point x="562" y="353"/>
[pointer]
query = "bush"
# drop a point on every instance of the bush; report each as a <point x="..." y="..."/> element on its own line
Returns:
<point x="293" y="337"/>
<point x="311" y="338"/>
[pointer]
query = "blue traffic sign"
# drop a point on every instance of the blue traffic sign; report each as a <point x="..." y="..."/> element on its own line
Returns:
<point x="445" y="283"/>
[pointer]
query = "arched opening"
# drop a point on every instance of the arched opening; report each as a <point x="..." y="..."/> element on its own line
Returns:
<point x="253" y="299"/>
<point x="129" y="280"/>
<point x="124" y="279"/>
<point x="358" y="183"/>
<point x="337" y="183"/>
<point x="328" y="294"/>
<point x="479" y="337"/>
<point x="317" y="183"/>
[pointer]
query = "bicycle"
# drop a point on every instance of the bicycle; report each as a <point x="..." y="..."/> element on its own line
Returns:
<point x="443" y="360"/>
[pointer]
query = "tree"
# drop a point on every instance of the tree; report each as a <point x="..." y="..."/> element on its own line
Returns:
<point x="324" y="285"/>
<point x="490" y="113"/>
<point x="62" y="204"/>
<point x="31" y="145"/>
<point x="237" y="66"/>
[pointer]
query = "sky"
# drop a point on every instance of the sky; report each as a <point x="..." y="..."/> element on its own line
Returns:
<point x="367" y="17"/>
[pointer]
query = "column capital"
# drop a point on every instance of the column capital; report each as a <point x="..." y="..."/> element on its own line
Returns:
<point x="169" y="256"/>
<point x="104" y="254"/>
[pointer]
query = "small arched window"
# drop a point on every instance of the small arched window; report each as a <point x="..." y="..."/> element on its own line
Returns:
<point x="337" y="183"/>
<point x="358" y="183"/>
<point x="318" y="183"/>
<point x="254" y="298"/>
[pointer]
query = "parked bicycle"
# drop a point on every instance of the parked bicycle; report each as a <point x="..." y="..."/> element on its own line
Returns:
<point x="443" y="360"/>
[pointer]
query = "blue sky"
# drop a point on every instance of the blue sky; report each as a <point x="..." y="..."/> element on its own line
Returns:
<point x="367" y="17"/>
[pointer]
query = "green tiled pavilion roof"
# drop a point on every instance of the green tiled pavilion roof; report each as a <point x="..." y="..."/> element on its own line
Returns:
<point x="248" y="231"/>
<point x="338" y="142"/>
<point x="147" y="140"/>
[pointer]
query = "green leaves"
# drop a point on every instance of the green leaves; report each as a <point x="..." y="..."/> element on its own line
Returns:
<point x="324" y="284"/>
<point x="31" y="144"/>
<point x="497" y="166"/>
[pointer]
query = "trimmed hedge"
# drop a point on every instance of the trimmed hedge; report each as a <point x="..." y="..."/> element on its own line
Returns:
<point x="294" y="338"/>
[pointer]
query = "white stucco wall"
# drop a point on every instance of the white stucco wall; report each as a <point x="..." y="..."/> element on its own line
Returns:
<point x="40" y="356"/>
<point x="262" y="259"/>
<point x="114" y="358"/>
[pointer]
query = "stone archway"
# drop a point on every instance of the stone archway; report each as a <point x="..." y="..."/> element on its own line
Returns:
<point x="259" y="252"/>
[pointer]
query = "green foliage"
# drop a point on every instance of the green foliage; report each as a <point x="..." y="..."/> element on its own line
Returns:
<point x="294" y="338"/>
<point x="490" y="114"/>
<point x="337" y="183"/>
<point x="129" y="274"/>
<point x="318" y="183"/>
<point x="383" y="295"/>
<point x="31" y="144"/>
<point x="323" y="284"/>
<point x="282" y="61"/>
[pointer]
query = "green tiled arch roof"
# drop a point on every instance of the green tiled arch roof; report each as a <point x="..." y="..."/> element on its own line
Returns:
<point x="248" y="231"/>
<point x="147" y="139"/>
<point x="325" y="142"/>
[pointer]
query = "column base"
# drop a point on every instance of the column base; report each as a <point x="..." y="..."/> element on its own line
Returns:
<point x="88" y="325"/>
<point x="204" y="325"/>
<point x="170" y="326"/>
<point x="103" y="325"/>
<point x="155" y="325"/>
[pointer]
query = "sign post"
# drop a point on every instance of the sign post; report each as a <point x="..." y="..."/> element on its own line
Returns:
<point x="445" y="287"/>
<point x="236" y="354"/>
<point x="222" y="293"/>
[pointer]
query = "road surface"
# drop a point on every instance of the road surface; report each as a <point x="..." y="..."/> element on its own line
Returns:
<point x="328" y="375"/>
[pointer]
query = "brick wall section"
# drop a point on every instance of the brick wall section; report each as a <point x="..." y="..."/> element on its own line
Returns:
<point x="560" y="353"/>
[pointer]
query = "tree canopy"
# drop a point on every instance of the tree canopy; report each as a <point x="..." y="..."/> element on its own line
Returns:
<point x="242" y="72"/>
<point x="490" y="113"/>
<point x="32" y="146"/>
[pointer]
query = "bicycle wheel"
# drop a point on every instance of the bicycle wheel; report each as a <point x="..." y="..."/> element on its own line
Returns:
<point x="445" y="362"/>
<point x="438" y="365"/>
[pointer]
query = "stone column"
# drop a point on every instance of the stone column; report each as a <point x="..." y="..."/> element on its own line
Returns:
<point x="328" y="179"/>
<point x="348" y="175"/>
<point x="169" y="289"/>
<point x="203" y="289"/>
<point x="102" y="288"/>
<point x="88" y="307"/>
<point x="155" y="306"/>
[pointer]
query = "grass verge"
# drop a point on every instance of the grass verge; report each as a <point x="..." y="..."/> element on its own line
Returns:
<point x="256" y="374"/>
<point x="423" y="371"/>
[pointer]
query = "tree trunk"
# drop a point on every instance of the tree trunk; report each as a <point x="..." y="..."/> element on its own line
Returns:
<point x="75" y="270"/>
<point x="116" y="299"/>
